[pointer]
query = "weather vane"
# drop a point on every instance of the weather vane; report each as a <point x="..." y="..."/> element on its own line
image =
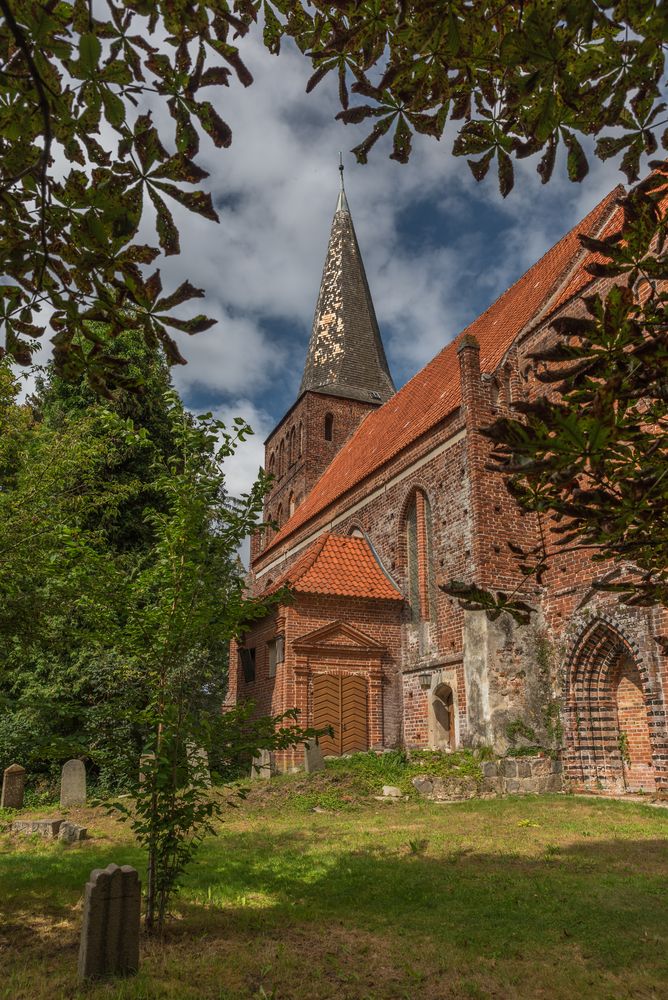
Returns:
<point x="341" y="168"/>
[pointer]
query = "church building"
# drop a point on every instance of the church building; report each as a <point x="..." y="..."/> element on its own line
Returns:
<point x="379" y="496"/>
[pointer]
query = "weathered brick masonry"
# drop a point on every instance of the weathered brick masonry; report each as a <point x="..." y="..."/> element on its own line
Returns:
<point x="402" y="477"/>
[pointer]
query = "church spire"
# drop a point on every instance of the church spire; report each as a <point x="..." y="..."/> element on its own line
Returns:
<point x="345" y="354"/>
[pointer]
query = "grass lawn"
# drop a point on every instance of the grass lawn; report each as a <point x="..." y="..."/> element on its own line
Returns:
<point x="553" y="896"/>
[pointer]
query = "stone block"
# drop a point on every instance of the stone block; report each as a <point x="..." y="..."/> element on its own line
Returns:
<point x="313" y="758"/>
<point x="491" y="786"/>
<point x="529" y="786"/>
<point x="47" y="828"/>
<point x="392" y="792"/>
<point x="540" y="766"/>
<point x="523" y="769"/>
<point x="554" y="783"/>
<point x="454" y="789"/>
<point x="490" y="769"/>
<point x="512" y="786"/>
<point x="70" y="833"/>
<point x="509" y="767"/>
<point x="73" y="784"/>
<point x="110" y="930"/>
<point x="13" y="787"/>
<point x="424" y="785"/>
<point x="557" y="767"/>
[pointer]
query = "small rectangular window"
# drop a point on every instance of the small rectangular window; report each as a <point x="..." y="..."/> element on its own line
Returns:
<point x="275" y="649"/>
<point x="247" y="657"/>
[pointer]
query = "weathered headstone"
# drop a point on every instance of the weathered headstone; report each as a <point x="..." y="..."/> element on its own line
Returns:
<point x="198" y="762"/>
<point x="145" y="765"/>
<point x="73" y="784"/>
<point x="13" y="786"/>
<point x="47" y="828"/>
<point x="110" y="930"/>
<point x="261" y="765"/>
<point x="313" y="758"/>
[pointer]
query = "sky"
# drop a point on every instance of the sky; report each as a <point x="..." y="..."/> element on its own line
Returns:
<point x="437" y="246"/>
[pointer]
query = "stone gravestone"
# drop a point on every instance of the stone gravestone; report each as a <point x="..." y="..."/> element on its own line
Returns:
<point x="313" y="758"/>
<point x="261" y="765"/>
<point x="13" y="785"/>
<point x="198" y="762"/>
<point x="145" y="765"/>
<point x="110" y="929"/>
<point x="73" y="784"/>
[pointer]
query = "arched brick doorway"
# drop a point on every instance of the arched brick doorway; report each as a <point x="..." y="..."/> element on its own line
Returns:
<point x="608" y="736"/>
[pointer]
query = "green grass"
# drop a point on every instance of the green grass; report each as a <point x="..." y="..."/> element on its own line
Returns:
<point x="555" y="897"/>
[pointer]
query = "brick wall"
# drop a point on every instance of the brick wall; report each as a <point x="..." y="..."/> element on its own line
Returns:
<point x="297" y="452"/>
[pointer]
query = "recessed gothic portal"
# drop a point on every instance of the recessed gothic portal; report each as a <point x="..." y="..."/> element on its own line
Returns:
<point x="609" y="737"/>
<point x="442" y="718"/>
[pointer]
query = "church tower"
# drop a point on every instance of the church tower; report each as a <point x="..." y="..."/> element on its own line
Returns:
<point x="346" y="375"/>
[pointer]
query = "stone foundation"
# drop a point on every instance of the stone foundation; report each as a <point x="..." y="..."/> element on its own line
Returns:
<point x="521" y="776"/>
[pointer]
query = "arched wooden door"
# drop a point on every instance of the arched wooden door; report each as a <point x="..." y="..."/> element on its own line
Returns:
<point x="340" y="701"/>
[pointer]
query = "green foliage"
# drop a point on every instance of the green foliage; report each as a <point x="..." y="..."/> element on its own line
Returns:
<point x="370" y="771"/>
<point x="519" y="730"/>
<point x="624" y="751"/>
<point x="82" y="161"/>
<point x="521" y="79"/>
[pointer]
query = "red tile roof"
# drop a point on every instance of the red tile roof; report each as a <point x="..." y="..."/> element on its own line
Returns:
<point x="435" y="391"/>
<point x="342" y="565"/>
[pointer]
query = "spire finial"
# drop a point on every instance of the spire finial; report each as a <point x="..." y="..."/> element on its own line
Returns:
<point x="342" y="203"/>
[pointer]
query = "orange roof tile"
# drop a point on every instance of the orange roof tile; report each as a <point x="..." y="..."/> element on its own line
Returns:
<point x="435" y="391"/>
<point x="343" y="566"/>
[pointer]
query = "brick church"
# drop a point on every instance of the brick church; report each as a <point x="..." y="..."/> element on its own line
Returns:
<point x="381" y="495"/>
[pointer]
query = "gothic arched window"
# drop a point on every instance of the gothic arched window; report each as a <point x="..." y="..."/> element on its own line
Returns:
<point x="292" y="447"/>
<point x="281" y="458"/>
<point x="279" y="515"/>
<point x="301" y="439"/>
<point x="329" y="427"/>
<point x="291" y="504"/>
<point x="419" y="557"/>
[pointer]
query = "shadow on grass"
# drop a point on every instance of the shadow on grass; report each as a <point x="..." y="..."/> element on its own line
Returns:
<point x="607" y="898"/>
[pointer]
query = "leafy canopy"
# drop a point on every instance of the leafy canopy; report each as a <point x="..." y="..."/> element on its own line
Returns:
<point x="83" y="165"/>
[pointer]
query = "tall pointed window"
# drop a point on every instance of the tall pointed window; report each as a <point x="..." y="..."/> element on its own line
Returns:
<point x="329" y="427"/>
<point x="281" y="458"/>
<point x="301" y="439"/>
<point x="419" y="558"/>
<point x="292" y="448"/>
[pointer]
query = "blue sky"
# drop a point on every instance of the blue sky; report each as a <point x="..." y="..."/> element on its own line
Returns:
<point x="437" y="246"/>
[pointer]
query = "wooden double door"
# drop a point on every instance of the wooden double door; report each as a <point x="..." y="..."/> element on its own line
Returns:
<point x="340" y="701"/>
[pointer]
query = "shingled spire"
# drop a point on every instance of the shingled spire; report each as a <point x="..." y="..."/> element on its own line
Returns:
<point x="345" y="354"/>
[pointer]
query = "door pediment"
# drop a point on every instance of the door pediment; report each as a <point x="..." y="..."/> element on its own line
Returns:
<point x="339" y="636"/>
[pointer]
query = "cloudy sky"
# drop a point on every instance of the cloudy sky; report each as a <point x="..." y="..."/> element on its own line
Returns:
<point x="438" y="248"/>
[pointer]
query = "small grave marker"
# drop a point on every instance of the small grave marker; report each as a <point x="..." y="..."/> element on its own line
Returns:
<point x="313" y="758"/>
<point x="110" y="930"/>
<point x="13" y="787"/>
<point x="261" y="765"/>
<point x="73" y="784"/>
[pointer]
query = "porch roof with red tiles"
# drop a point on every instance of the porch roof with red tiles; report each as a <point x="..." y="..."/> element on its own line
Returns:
<point x="343" y="566"/>
<point x="435" y="391"/>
